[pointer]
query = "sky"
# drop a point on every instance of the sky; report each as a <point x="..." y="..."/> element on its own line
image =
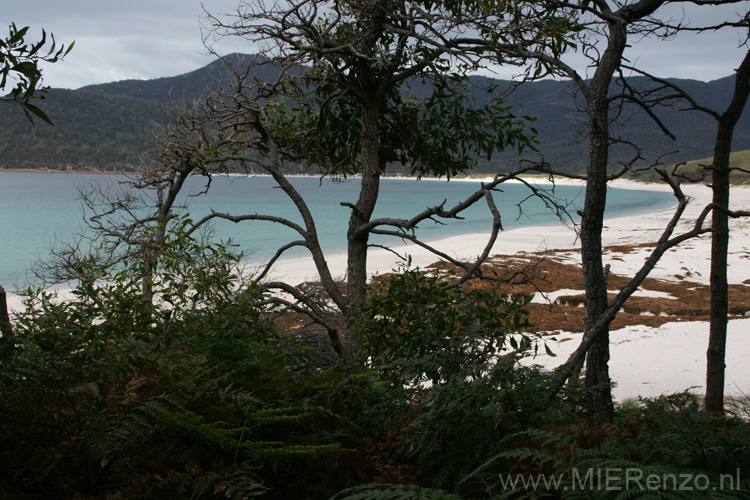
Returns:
<point x="144" y="39"/>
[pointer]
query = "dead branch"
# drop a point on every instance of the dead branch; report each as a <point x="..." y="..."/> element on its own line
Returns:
<point x="666" y="241"/>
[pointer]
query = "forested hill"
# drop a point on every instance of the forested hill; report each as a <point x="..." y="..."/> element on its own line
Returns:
<point x="187" y="86"/>
<point x="109" y="126"/>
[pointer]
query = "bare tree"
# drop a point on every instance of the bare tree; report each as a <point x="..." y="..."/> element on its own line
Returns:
<point x="602" y="30"/>
<point x="720" y="172"/>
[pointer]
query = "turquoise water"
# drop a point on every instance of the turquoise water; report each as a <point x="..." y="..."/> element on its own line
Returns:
<point x="36" y="208"/>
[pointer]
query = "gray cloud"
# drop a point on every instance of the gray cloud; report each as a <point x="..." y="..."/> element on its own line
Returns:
<point x="121" y="40"/>
<point x="141" y="39"/>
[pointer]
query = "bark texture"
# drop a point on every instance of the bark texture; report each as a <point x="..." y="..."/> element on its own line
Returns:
<point x="715" y="356"/>
<point x="596" y="93"/>
<point x="6" y="329"/>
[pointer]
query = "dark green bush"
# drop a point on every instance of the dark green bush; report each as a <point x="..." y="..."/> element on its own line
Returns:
<point x="185" y="394"/>
<point x="668" y="448"/>
<point x="458" y="354"/>
<point x="188" y="391"/>
<point x="418" y="328"/>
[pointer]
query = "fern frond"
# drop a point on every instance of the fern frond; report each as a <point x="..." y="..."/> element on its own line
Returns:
<point x="280" y="415"/>
<point x="393" y="492"/>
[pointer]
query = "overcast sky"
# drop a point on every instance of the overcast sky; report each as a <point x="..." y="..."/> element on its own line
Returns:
<point x="140" y="39"/>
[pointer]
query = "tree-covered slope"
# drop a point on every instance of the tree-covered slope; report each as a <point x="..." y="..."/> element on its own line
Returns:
<point x="187" y="86"/>
<point x="92" y="131"/>
<point x="109" y="126"/>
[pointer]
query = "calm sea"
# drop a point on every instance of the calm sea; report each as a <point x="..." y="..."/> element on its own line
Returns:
<point x="36" y="208"/>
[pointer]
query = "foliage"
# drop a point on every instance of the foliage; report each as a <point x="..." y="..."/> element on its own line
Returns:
<point x="196" y="395"/>
<point x="427" y="129"/>
<point x="190" y="394"/>
<point x="344" y="103"/>
<point x="458" y="354"/>
<point x="666" y="448"/>
<point x="456" y="425"/>
<point x="393" y="492"/>
<point x="489" y="430"/>
<point x="19" y="65"/>
<point x="418" y="131"/>
<point x="419" y="328"/>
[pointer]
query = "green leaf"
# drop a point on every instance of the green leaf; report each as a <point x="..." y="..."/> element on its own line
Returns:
<point x="18" y="36"/>
<point x="70" y="47"/>
<point x="549" y="351"/>
<point x="38" y="112"/>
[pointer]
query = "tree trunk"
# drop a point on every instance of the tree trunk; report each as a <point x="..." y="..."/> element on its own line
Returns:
<point x="592" y="221"/>
<point x="595" y="285"/>
<point x="357" y="240"/>
<point x="6" y="329"/>
<point x="717" y="340"/>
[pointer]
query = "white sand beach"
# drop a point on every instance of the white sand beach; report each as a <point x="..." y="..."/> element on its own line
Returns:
<point x="645" y="361"/>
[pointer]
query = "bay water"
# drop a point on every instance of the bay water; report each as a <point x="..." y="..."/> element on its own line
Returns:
<point x="37" y="208"/>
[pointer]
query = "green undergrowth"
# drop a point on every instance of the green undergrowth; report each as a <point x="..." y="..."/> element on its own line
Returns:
<point x="192" y="393"/>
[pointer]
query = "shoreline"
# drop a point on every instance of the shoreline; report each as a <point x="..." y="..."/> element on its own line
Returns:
<point x="464" y="246"/>
<point x="477" y="177"/>
<point x="93" y="171"/>
<point x="461" y="247"/>
<point x="638" y="363"/>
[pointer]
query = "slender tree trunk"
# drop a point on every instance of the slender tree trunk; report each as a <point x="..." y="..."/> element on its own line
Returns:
<point x="719" y="297"/>
<point x="6" y="329"/>
<point x="592" y="222"/>
<point x="361" y="214"/>
<point x="717" y="341"/>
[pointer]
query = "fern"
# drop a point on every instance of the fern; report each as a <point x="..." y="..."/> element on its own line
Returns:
<point x="113" y="430"/>
<point x="393" y="492"/>
<point x="117" y="397"/>
<point x="560" y="466"/>
<point x="238" y="481"/>
<point x="239" y="438"/>
<point x="280" y="415"/>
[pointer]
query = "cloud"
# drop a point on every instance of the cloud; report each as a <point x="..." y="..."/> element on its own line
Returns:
<point x="120" y="40"/>
<point x="144" y="39"/>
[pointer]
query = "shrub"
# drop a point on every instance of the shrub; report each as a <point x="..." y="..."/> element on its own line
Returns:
<point x="184" y="392"/>
<point x="418" y="328"/>
<point x="457" y="353"/>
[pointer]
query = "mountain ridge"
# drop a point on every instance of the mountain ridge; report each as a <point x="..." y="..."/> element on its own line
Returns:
<point x="109" y="127"/>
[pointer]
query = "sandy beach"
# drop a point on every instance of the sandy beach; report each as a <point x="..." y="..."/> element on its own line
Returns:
<point x="645" y="360"/>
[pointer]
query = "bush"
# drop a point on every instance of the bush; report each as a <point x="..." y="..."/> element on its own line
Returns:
<point x="186" y="392"/>
<point x="184" y="389"/>
<point x="418" y="328"/>
<point x="667" y="448"/>
<point x="457" y="352"/>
